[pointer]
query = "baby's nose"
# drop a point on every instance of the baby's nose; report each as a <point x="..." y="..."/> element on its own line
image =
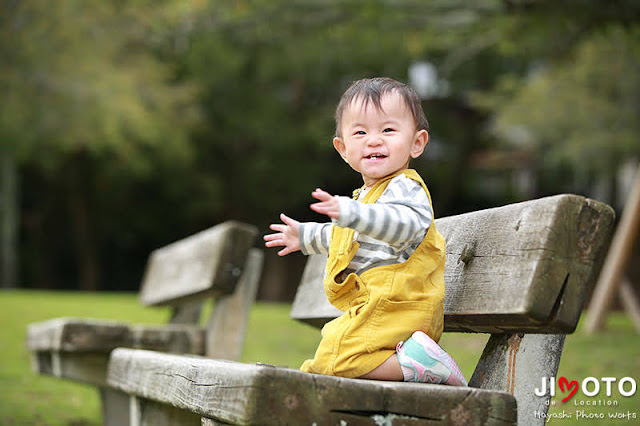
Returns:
<point x="374" y="140"/>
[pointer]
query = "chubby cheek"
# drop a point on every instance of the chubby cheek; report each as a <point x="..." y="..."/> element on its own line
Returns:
<point x="352" y="154"/>
<point x="355" y="161"/>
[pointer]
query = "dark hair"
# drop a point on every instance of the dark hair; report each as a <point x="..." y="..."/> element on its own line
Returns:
<point x="370" y="90"/>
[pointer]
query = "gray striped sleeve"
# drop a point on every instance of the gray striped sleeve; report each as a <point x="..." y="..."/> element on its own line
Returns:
<point x="401" y="215"/>
<point x="315" y="237"/>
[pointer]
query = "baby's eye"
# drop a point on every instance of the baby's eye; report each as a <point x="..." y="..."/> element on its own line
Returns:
<point x="360" y="132"/>
<point x="387" y="130"/>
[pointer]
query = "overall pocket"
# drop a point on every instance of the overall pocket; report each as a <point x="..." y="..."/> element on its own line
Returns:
<point x="347" y="293"/>
<point x="393" y="321"/>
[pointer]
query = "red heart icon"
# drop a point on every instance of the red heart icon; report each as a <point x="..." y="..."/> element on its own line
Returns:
<point x="571" y="386"/>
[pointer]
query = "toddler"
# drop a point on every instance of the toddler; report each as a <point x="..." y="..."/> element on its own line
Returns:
<point x="385" y="266"/>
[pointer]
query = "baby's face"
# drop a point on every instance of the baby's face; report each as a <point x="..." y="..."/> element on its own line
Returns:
<point x="379" y="142"/>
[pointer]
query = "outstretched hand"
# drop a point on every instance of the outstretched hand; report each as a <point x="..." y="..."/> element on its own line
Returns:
<point x="328" y="204"/>
<point x="288" y="235"/>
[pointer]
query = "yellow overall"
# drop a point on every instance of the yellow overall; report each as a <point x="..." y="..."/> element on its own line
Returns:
<point x="384" y="305"/>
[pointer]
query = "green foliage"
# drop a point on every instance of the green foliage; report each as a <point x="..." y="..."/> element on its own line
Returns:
<point x="138" y="122"/>
<point x="91" y="112"/>
<point x="567" y="88"/>
<point x="81" y="77"/>
<point x="271" y="74"/>
<point x="581" y="111"/>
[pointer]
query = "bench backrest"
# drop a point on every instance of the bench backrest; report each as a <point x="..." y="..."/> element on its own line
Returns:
<point x="525" y="267"/>
<point x="205" y="264"/>
<point x="215" y="264"/>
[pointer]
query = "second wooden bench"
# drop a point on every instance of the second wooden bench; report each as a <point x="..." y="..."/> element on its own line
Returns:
<point x="215" y="264"/>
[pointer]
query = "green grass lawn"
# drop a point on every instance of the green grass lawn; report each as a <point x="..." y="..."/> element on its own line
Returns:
<point x="28" y="399"/>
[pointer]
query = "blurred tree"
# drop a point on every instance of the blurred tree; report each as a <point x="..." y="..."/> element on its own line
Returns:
<point x="574" y="100"/>
<point x="272" y="73"/>
<point x="583" y="111"/>
<point x="99" y="108"/>
<point x="84" y="95"/>
<point x="8" y="221"/>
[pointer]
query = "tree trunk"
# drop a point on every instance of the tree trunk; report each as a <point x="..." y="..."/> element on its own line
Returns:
<point x="8" y="220"/>
<point x="80" y="187"/>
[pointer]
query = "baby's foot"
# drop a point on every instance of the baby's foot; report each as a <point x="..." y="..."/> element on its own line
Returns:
<point x="423" y="360"/>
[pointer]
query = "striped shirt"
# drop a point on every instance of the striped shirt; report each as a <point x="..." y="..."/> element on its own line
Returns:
<point x="388" y="231"/>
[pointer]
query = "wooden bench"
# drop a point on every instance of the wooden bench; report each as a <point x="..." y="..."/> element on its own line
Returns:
<point x="519" y="272"/>
<point x="217" y="264"/>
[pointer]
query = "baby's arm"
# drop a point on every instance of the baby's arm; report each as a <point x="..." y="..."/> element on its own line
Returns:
<point x="401" y="215"/>
<point x="309" y="237"/>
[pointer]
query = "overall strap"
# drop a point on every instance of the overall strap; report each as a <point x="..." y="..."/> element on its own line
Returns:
<point x="342" y="240"/>
<point x="340" y="290"/>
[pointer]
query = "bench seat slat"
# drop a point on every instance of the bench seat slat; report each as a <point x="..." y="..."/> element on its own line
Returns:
<point x="522" y="267"/>
<point x="88" y="335"/>
<point x="76" y="335"/>
<point x="235" y="393"/>
<point x="78" y="349"/>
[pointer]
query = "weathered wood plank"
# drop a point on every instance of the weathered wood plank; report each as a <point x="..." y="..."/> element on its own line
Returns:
<point x="227" y="325"/>
<point x="96" y="336"/>
<point x="234" y="393"/>
<point x="151" y="413"/>
<point x="116" y="407"/>
<point x="170" y="338"/>
<point x="86" y="367"/>
<point x="521" y="267"/>
<point x="76" y="334"/>
<point x="207" y="263"/>
<point x="183" y="275"/>
<point x="517" y="363"/>
<point x="78" y="349"/>
<point x="187" y="313"/>
<point x="310" y="303"/>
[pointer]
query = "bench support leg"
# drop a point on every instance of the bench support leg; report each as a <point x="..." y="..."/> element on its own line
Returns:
<point x="517" y="363"/>
<point x="144" y="412"/>
<point x="227" y="326"/>
<point x="115" y="407"/>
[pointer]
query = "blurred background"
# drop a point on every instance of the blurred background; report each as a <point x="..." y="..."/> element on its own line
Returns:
<point x="127" y="125"/>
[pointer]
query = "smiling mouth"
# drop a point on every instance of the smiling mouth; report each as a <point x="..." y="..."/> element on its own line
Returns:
<point x="375" y="156"/>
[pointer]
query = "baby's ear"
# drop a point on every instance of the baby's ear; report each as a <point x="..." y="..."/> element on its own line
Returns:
<point x="420" y="141"/>
<point x="338" y="144"/>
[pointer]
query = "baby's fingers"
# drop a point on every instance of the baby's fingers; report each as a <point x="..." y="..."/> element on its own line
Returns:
<point x="321" y="208"/>
<point x="285" y="251"/>
<point x="288" y="221"/>
<point x="274" y="240"/>
<point x="278" y="227"/>
<point x="321" y="195"/>
<point x="271" y="237"/>
<point x="276" y="243"/>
